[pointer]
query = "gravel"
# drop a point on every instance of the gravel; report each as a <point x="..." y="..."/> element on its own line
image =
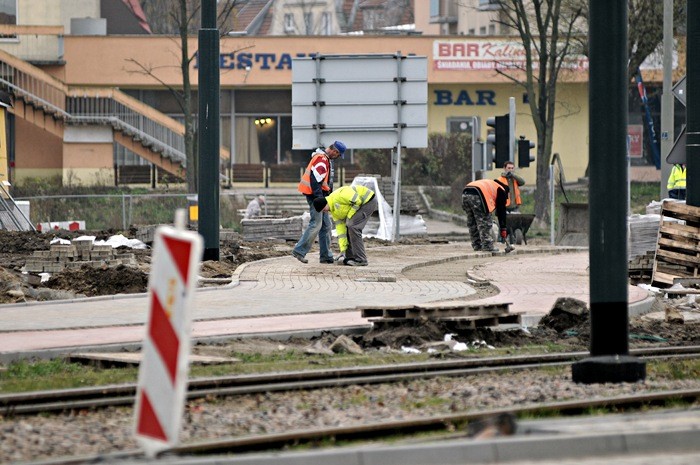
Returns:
<point x="110" y="430"/>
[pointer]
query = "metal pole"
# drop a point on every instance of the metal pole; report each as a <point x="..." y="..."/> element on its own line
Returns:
<point x="693" y="104"/>
<point x="124" y="225"/>
<point x="399" y="126"/>
<point x="609" y="361"/>
<point x="667" y="135"/>
<point x="209" y="123"/>
<point x="551" y="204"/>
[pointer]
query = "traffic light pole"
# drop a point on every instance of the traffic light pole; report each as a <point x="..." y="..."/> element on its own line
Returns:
<point x="609" y="347"/>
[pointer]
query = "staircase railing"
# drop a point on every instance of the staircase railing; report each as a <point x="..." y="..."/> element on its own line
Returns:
<point x="110" y="106"/>
<point x="141" y="122"/>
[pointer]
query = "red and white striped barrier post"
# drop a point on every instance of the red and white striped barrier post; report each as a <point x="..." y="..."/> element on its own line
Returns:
<point x="162" y="385"/>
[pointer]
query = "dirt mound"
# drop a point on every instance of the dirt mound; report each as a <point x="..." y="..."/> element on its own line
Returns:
<point x="566" y="313"/>
<point x="23" y="242"/>
<point x="100" y="281"/>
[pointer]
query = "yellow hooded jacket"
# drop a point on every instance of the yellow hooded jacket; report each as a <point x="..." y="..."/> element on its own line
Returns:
<point x="343" y="203"/>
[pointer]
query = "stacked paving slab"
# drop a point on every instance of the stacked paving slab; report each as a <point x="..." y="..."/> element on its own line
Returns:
<point x="78" y="253"/>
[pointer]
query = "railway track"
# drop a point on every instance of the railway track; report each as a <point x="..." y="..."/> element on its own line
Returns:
<point x="376" y="431"/>
<point x="29" y="403"/>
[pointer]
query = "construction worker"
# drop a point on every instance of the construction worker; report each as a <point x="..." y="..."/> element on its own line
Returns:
<point x="676" y="182"/>
<point x="351" y="207"/>
<point x="254" y="208"/>
<point x="316" y="183"/>
<point x="479" y="199"/>
<point x="513" y="181"/>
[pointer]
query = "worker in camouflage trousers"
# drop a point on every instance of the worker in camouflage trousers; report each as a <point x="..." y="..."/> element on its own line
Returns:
<point x="479" y="199"/>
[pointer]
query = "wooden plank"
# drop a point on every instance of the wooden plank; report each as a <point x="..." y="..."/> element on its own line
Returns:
<point x="385" y="311"/>
<point x="689" y="247"/>
<point x="680" y="230"/>
<point x="663" y="278"/>
<point x="681" y="211"/>
<point x="678" y="258"/>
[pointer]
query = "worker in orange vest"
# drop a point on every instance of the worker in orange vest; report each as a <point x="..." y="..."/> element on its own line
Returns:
<point x="513" y="181"/>
<point x="317" y="182"/>
<point x="479" y="199"/>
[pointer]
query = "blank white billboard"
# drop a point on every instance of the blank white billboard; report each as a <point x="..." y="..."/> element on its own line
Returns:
<point x="367" y="101"/>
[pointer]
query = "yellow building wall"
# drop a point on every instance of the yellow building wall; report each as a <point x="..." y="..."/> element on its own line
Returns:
<point x="570" y="126"/>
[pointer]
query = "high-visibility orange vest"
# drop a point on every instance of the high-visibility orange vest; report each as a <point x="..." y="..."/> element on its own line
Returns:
<point x="514" y="189"/>
<point x="489" y="188"/>
<point x="322" y="163"/>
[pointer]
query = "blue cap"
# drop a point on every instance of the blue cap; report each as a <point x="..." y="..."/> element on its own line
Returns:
<point x="340" y="146"/>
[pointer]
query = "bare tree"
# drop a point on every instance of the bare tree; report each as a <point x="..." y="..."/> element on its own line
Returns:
<point x="181" y="19"/>
<point x="547" y="29"/>
<point x="645" y="29"/>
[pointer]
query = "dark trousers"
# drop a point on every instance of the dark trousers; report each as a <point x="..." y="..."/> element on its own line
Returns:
<point x="677" y="194"/>
<point x="355" y="225"/>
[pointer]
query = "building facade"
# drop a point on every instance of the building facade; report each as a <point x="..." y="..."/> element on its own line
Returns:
<point x="96" y="102"/>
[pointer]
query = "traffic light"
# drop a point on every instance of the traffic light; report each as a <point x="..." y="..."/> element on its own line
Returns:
<point x="499" y="138"/>
<point x="524" y="157"/>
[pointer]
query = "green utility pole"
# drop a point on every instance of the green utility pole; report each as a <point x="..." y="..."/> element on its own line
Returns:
<point x="610" y="360"/>
<point x="208" y="185"/>
<point x="692" y="148"/>
<point x="667" y="99"/>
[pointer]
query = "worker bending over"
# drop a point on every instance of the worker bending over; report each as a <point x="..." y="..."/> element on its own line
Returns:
<point x="350" y="207"/>
<point x="479" y="199"/>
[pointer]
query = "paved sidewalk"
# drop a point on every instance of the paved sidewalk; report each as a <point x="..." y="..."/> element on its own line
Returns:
<point x="278" y="295"/>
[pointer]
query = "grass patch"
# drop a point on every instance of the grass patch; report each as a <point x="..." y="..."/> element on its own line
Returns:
<point x="59" y="374"/>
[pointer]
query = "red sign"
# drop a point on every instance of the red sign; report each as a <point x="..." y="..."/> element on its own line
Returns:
<point x="635" y="138"/>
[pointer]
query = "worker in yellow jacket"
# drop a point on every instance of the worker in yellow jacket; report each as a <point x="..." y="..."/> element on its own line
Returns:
<point x="676" y="182"/>
<point x="350" y="207"/>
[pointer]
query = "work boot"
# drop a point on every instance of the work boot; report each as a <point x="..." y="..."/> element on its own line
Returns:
<point x="299" y="257"/>
<point x="356" y="263"/>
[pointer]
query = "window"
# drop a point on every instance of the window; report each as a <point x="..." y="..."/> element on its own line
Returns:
<point x="482" y="30"/>
<point x="289" y="25"/>
<point x="434" y="8"/>
<point x="492" y="29"/>
<point x="8" y="12"/>
<point x="371" y="19"/>
<point x="489" y="4"/>
<point x="326" y="29"/>
<point x="309" y="23"/>
<point x="455" y="125"/>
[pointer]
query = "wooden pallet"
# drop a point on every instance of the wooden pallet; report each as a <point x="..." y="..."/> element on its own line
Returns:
<point x="435" y="311"/>
<point x="455" y="323"/>
<point x="678" y="245"/>
<point x="455" y="315"/>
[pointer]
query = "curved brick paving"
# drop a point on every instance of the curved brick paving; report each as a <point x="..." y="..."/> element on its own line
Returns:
<point x="275" y="295"/>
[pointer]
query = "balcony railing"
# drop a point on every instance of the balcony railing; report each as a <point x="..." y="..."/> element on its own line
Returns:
<point x="34" y="44"/>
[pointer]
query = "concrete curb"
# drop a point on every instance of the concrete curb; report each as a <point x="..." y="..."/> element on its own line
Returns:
<point x="462" y="451"/>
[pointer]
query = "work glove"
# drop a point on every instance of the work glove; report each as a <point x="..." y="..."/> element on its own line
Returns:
<point x="504" y="234"/>
<point x="509" y="174"/>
